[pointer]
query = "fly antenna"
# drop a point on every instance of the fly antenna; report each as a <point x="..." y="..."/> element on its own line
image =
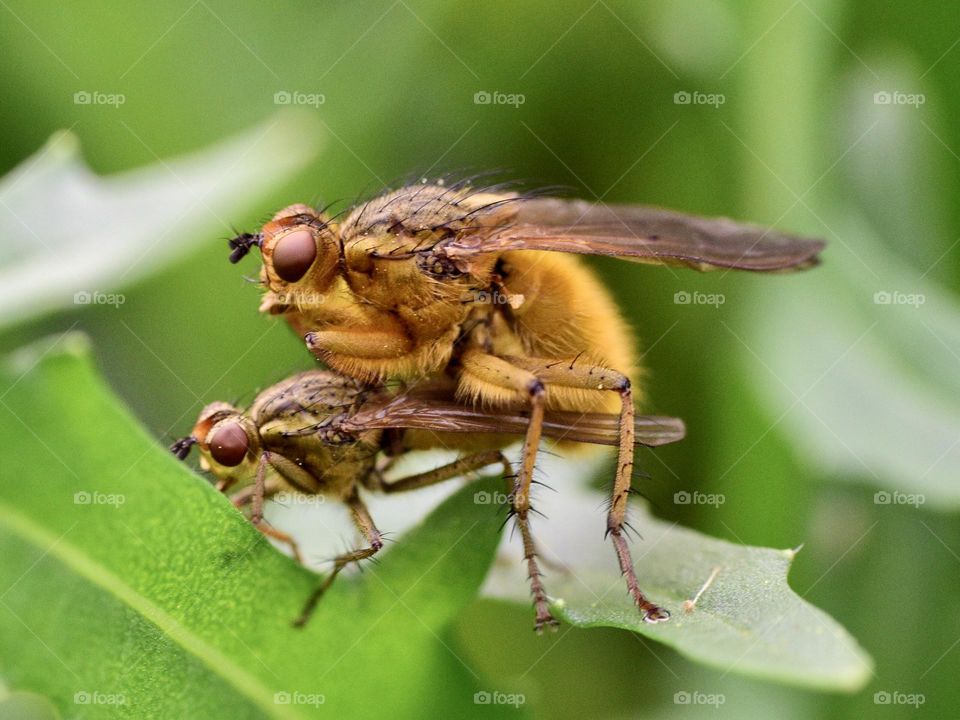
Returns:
<point x="181" y="448"/>
<point x="241" y="244"/>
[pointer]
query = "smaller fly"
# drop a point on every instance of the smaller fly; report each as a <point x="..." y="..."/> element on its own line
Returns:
<point x="322" y="433"/>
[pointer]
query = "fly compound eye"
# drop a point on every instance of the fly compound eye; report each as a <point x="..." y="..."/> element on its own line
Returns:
<point x="294" y="254"/>
<point x="229" y="445"/>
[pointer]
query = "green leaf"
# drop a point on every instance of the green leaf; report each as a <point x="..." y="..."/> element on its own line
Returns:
<point x="130" y="588"/>
<point x="69" y="234"/>
<point x="748" y="621"/>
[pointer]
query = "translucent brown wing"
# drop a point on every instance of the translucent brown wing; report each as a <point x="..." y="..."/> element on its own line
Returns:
<point x="431" y="413"/>
<point x="641" y="234"/>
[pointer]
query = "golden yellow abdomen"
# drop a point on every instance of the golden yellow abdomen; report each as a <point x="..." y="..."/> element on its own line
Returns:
<point x="567" y="312"/>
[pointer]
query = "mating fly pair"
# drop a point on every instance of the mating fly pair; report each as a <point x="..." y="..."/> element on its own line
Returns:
<point x="481" y="287"/>
<point x="321" y="433"/>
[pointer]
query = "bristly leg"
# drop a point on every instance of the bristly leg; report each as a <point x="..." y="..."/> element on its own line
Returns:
<point x="522" y="509"/>
<point x="339" y="563"/>
<point x="481" y="368"/>
<point x="590" y="377"/>
<point x="364" y="522"/>
<point x="618" y="509"/>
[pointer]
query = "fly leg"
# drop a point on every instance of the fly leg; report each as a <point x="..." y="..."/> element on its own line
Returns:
<point x="363" y="521"/>
<point x="370" y="353"/>
<point x="592" y="377"/>
<point x="358" y="342"/>
<point x="492" y="378"/>
<point x="365" y="524"/>
<point x="458" y="467"/>
<point x="254" y="495"/>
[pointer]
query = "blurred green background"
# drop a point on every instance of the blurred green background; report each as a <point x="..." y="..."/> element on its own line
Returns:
<point x="831" y="119"/>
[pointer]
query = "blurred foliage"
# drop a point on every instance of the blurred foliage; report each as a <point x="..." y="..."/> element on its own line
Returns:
<point x="85" y="233"/>
<point x="599" y="118"/>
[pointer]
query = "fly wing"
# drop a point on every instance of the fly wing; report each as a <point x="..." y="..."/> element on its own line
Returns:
<point x="640" y="234"/>
<point x="429" y="413"/>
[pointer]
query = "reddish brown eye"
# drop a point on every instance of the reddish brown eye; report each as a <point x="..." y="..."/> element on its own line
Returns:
<point x="229" y="444"/>
<point x="294" y="254"/>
